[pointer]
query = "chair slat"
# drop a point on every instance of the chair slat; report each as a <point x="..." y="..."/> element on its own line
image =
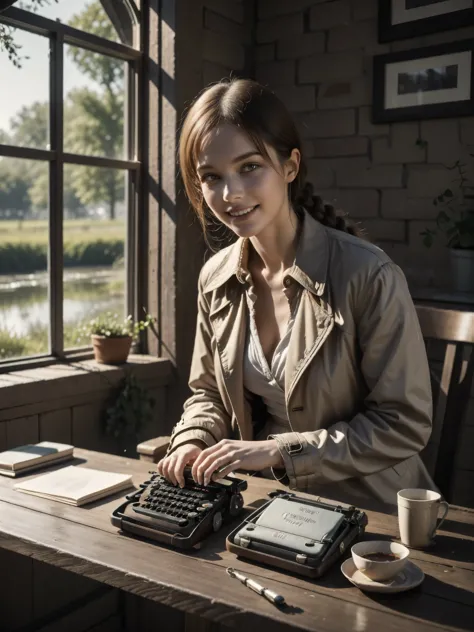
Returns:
<point x="451" y="393"/>
<point x="446" y="324"/>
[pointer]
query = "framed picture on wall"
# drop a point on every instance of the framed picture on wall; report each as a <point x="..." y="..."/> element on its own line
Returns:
<point x="432" y="82"/>
<point x="399" y="19"/>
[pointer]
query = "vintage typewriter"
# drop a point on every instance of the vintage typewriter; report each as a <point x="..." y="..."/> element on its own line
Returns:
<point x="180" y="517"/>
<point x="303" y="535"/>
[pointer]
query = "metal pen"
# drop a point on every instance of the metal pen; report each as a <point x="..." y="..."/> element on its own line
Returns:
<point x="270" y="595"/>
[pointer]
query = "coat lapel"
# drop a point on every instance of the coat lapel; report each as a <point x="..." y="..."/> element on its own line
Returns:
<point x="314" y="319"/>
<point x="228" y="318"/>
<point x="312" y="326"/>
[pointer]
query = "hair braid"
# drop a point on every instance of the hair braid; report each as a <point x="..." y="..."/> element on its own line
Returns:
<point x="324" y="212"/>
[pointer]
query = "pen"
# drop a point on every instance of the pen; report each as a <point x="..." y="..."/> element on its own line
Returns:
<point x="270" y="595"/>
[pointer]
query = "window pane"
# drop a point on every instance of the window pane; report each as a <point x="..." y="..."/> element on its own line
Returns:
<point x="24" y="113"/>
<point x="86" y="15"/>
<point x="95" y="220"/>
<point x="94" y="103"/>
<point x="24" y="311"/>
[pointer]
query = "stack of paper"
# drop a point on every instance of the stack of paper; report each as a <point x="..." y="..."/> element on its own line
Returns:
<point x="33" y="456"/>
<point x="75" y="485"/>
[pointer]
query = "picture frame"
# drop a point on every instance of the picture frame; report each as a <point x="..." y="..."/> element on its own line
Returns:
<point x="402" y="19"/>
<point x="431" y="82"/>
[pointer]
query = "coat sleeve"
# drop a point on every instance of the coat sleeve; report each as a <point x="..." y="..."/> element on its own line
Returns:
<point x="395" y="422"/>
<point x="204" y="416"/>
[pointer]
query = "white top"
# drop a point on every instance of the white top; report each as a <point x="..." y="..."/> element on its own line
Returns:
<point x="260" y="378"/>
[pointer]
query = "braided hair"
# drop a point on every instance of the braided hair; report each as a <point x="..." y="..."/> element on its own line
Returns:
<point x="322" y="211"/>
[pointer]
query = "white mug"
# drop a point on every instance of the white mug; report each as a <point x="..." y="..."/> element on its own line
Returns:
<point x="418" y="516"/>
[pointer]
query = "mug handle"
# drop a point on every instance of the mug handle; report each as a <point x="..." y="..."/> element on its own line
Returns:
<point x="444" y="504"/>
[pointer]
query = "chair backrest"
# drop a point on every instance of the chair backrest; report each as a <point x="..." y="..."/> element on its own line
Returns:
<point x="453" y="330"/>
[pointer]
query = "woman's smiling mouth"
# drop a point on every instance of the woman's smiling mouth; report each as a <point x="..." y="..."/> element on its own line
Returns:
<point x="240" y="212"/>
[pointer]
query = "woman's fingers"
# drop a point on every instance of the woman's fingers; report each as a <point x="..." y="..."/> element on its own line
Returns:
<point x="179" y="466"/>
<point x="232" y="467"/>
<point x="205" y="461"/>
<point x="222" y="464"/>
<point x="172" y="466"/>
<point x="205" y="454"/>
<point x="169" y="467"/>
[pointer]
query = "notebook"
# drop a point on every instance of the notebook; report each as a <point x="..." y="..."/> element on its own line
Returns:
<point x="75" y="485"/>
<point x="25" y="458"/>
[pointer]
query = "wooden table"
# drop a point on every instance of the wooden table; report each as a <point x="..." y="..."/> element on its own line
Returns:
<point x="82" y="540"/>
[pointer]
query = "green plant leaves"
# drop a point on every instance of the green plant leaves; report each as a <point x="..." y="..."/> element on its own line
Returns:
<point x="428" y="237"/>
<point x="112" y="326"/>
<point x="131" y="411"/>
<point x="456" y="215"/>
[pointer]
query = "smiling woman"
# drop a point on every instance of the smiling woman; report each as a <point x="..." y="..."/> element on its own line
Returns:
<point x="244" y="190"/>
<point x="230" y="149"/>
<point x="308" y="360"/>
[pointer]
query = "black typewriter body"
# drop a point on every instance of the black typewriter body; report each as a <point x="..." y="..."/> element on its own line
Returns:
<point x="180" y="517"/>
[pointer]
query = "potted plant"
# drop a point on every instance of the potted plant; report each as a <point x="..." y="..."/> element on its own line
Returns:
<point x="112" y="337"/>
<point x="456" y="220"/>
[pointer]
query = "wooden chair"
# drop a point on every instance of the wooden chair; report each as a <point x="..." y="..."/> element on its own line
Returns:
<point x="453" y="330"/>
<point x="450" y="332"/>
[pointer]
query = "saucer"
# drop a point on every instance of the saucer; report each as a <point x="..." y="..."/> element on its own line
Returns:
<point x="410" y="577"/>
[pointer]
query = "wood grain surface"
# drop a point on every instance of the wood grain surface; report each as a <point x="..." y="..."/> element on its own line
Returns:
<point x="83" y="540"/>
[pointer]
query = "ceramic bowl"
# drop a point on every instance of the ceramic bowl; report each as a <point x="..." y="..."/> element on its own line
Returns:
<point x="380" y="570"/>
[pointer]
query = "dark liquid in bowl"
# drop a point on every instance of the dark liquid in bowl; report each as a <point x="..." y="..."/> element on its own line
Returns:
<point x="382" y="557"/>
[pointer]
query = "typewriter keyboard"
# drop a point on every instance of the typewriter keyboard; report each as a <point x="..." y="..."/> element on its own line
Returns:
<point x="178" y="506"/>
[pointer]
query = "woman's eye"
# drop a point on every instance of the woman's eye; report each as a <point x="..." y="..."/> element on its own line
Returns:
<point x="251" y="166"/>
<point x="209" y="177"/>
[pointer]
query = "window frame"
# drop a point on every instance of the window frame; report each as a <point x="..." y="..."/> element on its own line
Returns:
<point x="59" y="35"/>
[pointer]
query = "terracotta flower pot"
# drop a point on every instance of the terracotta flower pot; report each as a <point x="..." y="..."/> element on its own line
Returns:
<point x="111" y="350"/>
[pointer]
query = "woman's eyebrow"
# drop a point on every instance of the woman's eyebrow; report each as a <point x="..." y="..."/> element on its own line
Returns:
<point x="237" y="159"/>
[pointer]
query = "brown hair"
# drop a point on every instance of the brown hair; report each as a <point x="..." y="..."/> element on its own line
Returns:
<point x="257" y="111"/>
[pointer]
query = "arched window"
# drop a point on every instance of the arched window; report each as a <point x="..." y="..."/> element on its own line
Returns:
<point x="69" y="171"/>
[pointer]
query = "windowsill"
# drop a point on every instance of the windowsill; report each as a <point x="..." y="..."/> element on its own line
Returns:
<point x="77" y="380"/>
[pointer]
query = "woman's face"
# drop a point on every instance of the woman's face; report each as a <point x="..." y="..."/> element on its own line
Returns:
<point x="243" y="190"/>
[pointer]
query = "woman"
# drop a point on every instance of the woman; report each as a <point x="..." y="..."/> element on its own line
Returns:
<point x="299" y="314"/>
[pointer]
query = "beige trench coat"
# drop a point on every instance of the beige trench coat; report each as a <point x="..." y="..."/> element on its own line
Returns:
<point x="357" y="383"/>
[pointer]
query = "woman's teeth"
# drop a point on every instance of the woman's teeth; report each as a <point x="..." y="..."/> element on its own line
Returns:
<point x="245" y="211"/>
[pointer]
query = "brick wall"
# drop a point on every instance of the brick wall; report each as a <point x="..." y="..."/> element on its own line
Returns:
<point x="317" y="55"/>
<point x="227" y="39"/>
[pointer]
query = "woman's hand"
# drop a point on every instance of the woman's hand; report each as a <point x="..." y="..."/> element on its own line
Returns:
<point x="172" y="466"/>
<point x="229" y="455"/>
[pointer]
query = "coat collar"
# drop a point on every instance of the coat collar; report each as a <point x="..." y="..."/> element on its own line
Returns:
<point x="310" y="268"/>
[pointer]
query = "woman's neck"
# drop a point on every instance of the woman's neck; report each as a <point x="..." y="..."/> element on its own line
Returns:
<point x="276" y="245"/>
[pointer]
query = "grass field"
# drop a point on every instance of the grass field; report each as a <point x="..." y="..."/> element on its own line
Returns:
<point x="24" y="245"/>
<point x="35" y="232"/>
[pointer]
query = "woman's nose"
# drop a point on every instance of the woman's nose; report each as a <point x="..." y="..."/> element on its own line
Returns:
<point x="233" y="189"/>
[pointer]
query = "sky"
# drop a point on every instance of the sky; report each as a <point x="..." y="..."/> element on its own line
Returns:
<point x="24" y="86"/>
